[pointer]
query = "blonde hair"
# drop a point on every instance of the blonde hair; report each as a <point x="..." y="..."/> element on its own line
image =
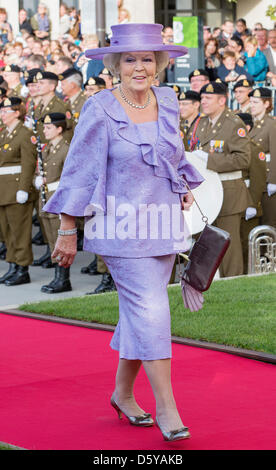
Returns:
<point x="251" y="40"/>
<point x="112" y="62"/>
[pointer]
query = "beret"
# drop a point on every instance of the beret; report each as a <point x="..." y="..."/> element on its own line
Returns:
<point x="95" y="81"/>
<point x="30" y="75"/>
<point x="214" y="88"/>
<point x="244" y="83"/>
<point x="45" y="75"/>
<point x="197" y="72"/>
<point x="12" y="68"/>
<point x="189" y="95"/>
<point x="261" y="93"/>
<point x="53" y="118"/>
<point x="68" y="73"/>
<point x="12" y="101"/>
<point x="105" y="71"/>
<point x="176" y="88"/>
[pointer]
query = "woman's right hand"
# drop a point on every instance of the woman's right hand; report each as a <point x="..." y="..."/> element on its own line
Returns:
<point x="65" y="250"/>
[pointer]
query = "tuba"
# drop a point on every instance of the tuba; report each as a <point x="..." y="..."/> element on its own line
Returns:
<point x="262" y="250"/>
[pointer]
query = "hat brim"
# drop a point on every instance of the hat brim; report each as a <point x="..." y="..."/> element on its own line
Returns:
<point x="173" y="51"/>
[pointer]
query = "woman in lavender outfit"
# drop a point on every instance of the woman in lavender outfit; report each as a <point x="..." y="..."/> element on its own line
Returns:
<point x="126" y="172"/>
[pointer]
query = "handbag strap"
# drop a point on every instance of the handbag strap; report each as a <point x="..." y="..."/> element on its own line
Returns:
<point x="204" y="217"/>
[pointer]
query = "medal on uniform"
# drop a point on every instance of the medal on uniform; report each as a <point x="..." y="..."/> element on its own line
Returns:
<point x="5" y="148"/>
<point x="212" y="145"/>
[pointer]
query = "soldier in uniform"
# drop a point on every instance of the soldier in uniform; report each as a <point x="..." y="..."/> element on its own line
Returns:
<point x="3" y="248"/>
<point x="264" y="134"/>
<point x="71" y="84"/>
<point x="50" y="103"/>
<point x="241" y="91"/>
<point x="93" y="85"/>
<point x="176" y="89"/>
<point x="107" y="77"/>
<point x="17" y="168"/>
<point x="226" y="149"/>
<point x="33" y="96"/>
<point x="198" y="78"/>
<point x="53" y="158"/>
<point x="189" y="105"/>
<point x="255" y="180"/>
<point x="98" y="266"/>
<point x="11" y="75"/>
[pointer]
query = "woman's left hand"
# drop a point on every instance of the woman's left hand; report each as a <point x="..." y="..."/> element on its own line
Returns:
<point x="187" y="201"/>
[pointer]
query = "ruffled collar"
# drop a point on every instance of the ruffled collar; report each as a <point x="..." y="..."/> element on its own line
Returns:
<point x="163" y="155"/>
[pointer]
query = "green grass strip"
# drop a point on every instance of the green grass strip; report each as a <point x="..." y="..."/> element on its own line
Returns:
<point x="239" y="312"/>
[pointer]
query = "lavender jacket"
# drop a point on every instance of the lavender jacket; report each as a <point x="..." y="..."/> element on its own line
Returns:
<point x="117" y="173"/>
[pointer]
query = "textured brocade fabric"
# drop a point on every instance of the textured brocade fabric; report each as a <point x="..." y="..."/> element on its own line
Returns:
<point x="144" y="328"/>
<point x="111" y="157"/>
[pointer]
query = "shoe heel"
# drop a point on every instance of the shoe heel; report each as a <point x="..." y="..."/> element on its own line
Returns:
<point x="176" y="435"/>
<point x="115" y="406"/>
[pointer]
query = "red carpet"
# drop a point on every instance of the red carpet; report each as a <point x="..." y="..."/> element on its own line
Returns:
<point x="56" y="381"/>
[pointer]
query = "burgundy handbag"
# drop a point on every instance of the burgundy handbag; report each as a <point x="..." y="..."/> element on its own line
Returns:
<point x="203" y="261"/>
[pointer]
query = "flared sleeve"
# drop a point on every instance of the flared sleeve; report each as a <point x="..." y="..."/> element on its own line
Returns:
<point x="82" y="187"/>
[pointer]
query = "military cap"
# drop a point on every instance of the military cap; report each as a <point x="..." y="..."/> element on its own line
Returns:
<point x="95" y="81"/>
<point x="45" y="75"/>
<point x="218" y="80"/>
<point x="197" y="72"/>
<point x="105" y="71"/>
<point x="12" y="101"/>
<point x="261" y="93"/>
<point x="12" y="68"/>
<point x="30" y="75"/>
<point x="244" y="83"/>
<point x="176" y="88"/>
<point x="214" y="88"/>
<point x="53" y="118"/>
<point x="189" y="95"/>
<point x="68" y="73"/>
<point x="246" y="118"/>
<point x="3" y="91"/>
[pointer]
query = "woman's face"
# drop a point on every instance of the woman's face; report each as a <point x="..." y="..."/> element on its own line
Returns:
<point x="250" y="49"/>
<point x="258" y="106"/>
<point x="51" y="131"/>
<point x="211" y="47"/>
<point x="8" y="115"/>
<point x="137" y="70"/>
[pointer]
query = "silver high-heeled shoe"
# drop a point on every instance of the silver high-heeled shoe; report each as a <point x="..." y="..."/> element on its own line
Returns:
<point x="176" y="435"/>
<point x="142" y="420"/>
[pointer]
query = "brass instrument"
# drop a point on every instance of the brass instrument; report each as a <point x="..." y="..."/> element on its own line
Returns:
<point x="262" y="250"/>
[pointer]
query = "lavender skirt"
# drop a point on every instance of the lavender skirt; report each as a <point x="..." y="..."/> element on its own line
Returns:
<point x="144" y="328"/>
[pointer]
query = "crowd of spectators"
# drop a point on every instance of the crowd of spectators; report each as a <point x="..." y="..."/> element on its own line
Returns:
<point x="33" y="46"/>
<point x="234" y="51"/>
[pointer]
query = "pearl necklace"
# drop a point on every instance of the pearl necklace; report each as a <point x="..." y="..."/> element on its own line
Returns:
<point x="133" y="104"/>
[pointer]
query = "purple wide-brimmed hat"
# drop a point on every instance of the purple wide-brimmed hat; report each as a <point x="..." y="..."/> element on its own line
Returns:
<point x="135" y="37"/>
